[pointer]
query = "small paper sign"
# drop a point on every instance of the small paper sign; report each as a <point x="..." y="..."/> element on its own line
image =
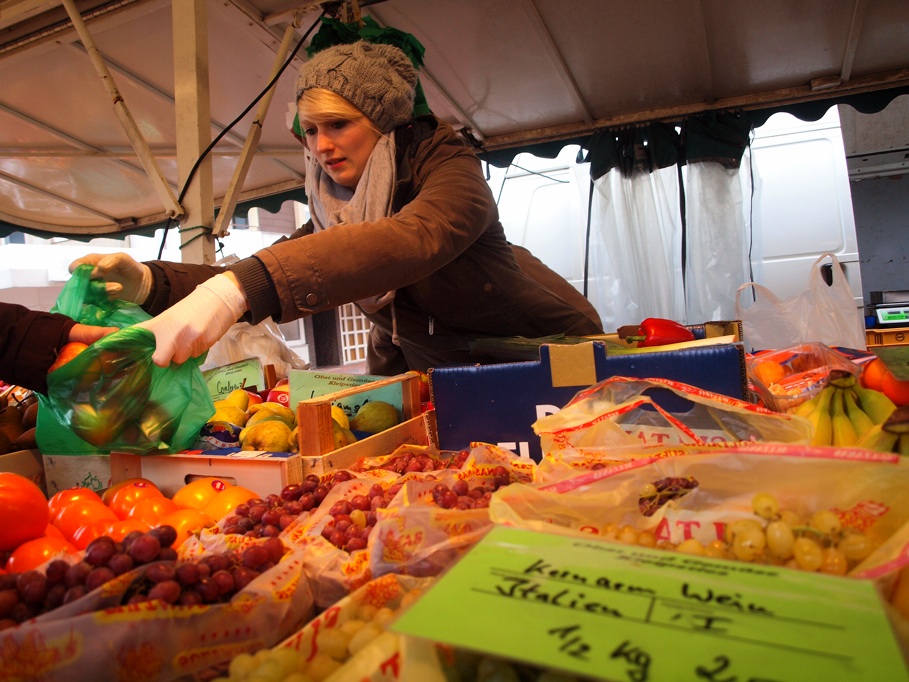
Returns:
<point x="243" y="374"/>
<point x="622" y="612"/>
<point x="306" y="384"/>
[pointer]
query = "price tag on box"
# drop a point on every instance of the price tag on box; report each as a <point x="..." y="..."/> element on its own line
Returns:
<point x="247" y="374"/>
<point x="622" y="612"/>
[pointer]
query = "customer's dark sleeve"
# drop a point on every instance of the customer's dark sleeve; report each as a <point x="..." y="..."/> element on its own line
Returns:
<point x="29" y="341"/>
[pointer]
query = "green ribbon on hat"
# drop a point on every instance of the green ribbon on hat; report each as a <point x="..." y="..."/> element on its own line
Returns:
<point x="334" y="32"/>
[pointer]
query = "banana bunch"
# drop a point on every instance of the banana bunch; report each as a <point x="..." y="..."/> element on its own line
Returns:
<point x="846" y="414"/>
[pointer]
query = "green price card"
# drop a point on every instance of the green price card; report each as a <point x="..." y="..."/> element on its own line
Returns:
<point x="243" y="374"/>
<point x="306" y="384"/>
<point x="620" y="612"/>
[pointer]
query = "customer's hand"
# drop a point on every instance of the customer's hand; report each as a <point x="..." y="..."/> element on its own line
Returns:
<point x="192" y="326"/>
<point x="86" y="333"/>
<point x="125" y="278"/>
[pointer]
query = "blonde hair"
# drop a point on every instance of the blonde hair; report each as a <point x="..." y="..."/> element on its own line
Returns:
<point x="318" y="105"/>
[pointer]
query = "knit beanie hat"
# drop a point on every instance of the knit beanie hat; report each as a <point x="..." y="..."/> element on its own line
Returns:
<point x="376" y="78"/>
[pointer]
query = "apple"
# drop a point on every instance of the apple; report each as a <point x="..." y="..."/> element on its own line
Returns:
<point x="254" y="398"/>
<point x="67" y="353"/>
<point x="279" y="393"/>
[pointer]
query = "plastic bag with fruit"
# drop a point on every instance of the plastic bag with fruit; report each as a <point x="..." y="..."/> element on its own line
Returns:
<point x="110" y="396"/>
<point x="442" y="514"/>
<point x="165" y="619"/>
<point x="622" y="411"/>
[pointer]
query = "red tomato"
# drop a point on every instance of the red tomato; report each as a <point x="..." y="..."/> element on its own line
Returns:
<point x="88" y="532"/>
<point x="34" y="553"/>
<point x="53" y="532"/>
<point x="120" y="529"/>
<point x="62" y="499"/>
<point x="126" y="496"/>
<point x="151" y="509"/>
<point x="77" y="514"/>
<point x="23" y="511"/>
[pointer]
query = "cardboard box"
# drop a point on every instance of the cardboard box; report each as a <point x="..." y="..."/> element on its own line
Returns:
<point x="316" y="434"/>
<point x="28" y="463"/>
<point x="261" y="472"/>
<point x="76" y="471"/>
<point x="499" y="403"/>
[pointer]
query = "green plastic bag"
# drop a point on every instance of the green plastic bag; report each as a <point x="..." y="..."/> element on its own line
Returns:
<point x="112" y="397"/>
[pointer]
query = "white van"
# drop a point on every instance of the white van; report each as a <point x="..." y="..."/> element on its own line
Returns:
<point x="802" y="205"/>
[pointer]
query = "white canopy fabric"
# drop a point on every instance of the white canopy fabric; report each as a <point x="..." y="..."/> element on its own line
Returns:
<point x="512" y="73"/>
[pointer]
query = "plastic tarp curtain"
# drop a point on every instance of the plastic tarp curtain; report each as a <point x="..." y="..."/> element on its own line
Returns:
<point x="669" y="233"/>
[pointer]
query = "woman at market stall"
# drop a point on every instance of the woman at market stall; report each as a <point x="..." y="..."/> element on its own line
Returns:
<point x="402" y="223"/>
<point x="30" y="341"/>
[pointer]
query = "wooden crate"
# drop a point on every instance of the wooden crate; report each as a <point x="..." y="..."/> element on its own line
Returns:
<point x="316" y="435"/>
<point x="261" y="472"/>
<point x="70" y="471"/>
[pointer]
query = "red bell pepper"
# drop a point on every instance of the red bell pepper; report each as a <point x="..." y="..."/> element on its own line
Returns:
<point x="657" y="331"/>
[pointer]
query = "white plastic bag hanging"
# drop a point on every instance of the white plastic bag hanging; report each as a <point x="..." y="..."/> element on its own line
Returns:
<point x="820" y="313"/>
<point x="264" y="341"/>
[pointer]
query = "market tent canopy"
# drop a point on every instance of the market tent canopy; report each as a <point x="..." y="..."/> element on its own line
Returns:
<point x="514" y="74"/>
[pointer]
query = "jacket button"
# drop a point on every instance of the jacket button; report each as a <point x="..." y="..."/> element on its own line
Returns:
<point x="311" y="299"/>
<point x="487" y="287"/>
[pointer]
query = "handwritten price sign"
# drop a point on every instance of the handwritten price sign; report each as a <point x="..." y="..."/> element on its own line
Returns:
<point x="619" y="612"/>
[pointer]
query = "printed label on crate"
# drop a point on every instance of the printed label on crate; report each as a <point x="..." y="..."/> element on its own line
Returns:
<point x="244" y="374"/>
<point x="306" y="384"/>
<point x="622" y="612"/>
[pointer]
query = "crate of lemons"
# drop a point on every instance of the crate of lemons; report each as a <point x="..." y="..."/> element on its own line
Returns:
<point x="272" y="426"/>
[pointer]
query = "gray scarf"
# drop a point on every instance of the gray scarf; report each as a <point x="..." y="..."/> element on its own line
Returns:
<point x="331" y="204"/>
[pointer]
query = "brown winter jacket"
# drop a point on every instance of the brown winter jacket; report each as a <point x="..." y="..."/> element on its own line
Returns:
<point x="443" y="250"/>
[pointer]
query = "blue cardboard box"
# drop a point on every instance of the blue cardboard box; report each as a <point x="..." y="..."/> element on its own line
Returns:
<point x="499" y="403"/>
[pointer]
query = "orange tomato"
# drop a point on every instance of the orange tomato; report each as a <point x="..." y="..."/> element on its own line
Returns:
<point x="75" y="515"/>
<point x="53" y="532"/>
<point x="896" y="390"/>
<point x="185" y="522"/>
<point x="769" y="372"/>
<point x="196" y="494"/>
<point x="151" y="509"/>
<point x="126" y="497"/>
<point x="873" y="374"/>
<point x="88" y="532"/>
<point x="65" y="497"/>
<point x="120" y="529"/>
<point x="227" y="500"/>
<point x="23" y="511"/>
<point x="108" y="493"/>
<point x="34" y="553"/>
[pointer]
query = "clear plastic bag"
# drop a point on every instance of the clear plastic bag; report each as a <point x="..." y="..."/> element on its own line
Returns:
<point x="820" y="313"/>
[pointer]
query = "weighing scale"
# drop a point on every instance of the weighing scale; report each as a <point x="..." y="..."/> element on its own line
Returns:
<point x="891" y="308"/>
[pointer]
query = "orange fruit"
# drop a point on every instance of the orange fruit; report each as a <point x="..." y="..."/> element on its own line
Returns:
<point x="65" y="497"/>
<point x="873" y="374"/>
<point x="80" y="513"/>
<point x="196" y="494"/>
<point x="151" y="509"/>
<point x="769" y="372"/>
<point x="186" y="522"/>
<point x="53" y="532"/>
<point x="34" y="553"/>
<point x="126" y="496"/>
<point x="896" y="390"/>
<point x="227" y="500"/>
<point x="23" y="511"/>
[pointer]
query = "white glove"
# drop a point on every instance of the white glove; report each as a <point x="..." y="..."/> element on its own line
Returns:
<point x="192" y="326"/>
<point x="125" y="278"/>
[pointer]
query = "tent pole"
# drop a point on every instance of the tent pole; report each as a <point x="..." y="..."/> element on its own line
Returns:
<point x="192" y="107"/>
<point x="171" y="205"/>
<point x="226" y="213"/>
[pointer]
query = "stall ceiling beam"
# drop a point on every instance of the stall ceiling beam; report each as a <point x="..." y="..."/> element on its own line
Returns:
<point x="79" y="146"/>
<point x="230" y="137"/>
<point x="761" y="100"/>
<point x="855" y="32"/>
<point x="165" y="194"/>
